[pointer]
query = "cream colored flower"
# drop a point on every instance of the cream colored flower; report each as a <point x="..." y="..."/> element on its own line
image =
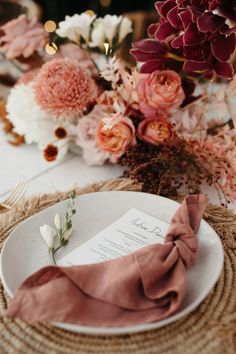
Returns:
<point x="98" y="35"/>
<point x="30" y="120"/>
<point x="111" y="23"/>
<point x="57" y="221"/>
<point x="48" y="234"/>
<point x="76" y="26"/>
<point x="125" y="28"/>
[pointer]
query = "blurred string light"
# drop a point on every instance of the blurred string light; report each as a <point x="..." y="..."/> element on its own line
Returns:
<point x="105" y="3"/>
<point x="108" y="49"/>
<point x="51" y="48"/>
<point x="50" y="26"/>
<point x="106" y="46"/>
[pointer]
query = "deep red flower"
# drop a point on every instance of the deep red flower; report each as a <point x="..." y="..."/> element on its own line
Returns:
<point x="226" y="8"/>
<point x="189" y="31"/>
<point x="152" y="53"/>
<point x="155" y="55"/>
<point x="50" y="152"/>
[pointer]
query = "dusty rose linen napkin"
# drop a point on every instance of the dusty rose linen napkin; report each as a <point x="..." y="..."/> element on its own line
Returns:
<point x="145" y="286"/>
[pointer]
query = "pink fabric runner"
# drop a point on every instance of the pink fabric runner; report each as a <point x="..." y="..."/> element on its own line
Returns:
<point x="145" y="286"/>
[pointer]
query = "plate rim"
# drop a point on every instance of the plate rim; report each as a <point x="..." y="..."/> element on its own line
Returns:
<point x="127" y="329"/>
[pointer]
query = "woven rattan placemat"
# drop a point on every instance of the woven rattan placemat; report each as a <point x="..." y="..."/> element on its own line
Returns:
<point x="211" y="328"/>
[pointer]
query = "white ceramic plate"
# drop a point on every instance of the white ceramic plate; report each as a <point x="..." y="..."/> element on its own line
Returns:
<point x="24" y="251"/>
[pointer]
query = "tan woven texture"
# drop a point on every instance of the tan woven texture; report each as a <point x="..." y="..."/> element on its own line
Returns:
<point x="210" y="329"/>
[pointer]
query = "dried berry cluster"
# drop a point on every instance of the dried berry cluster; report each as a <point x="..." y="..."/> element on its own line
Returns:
<point x="172" y="169"/>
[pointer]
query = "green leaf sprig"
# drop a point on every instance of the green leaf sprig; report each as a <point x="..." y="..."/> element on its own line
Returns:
<point x="63" y="229"/>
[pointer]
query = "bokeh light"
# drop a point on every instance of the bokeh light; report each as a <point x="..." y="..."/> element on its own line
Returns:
<point x="105" y="3"/>
<point x="51" y="48"/>
<point x="106" y="46"/>
<point x="50" y="26"/>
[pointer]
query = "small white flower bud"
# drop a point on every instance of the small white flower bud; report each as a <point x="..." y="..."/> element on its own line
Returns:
<point x="57" y="221"/>
<point x="48" y="234"/>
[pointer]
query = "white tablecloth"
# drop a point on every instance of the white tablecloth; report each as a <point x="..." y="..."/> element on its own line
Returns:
<point x="26" y="163"/>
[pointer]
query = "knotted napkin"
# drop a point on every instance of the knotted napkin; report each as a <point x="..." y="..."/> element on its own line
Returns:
<point x="145" y="286"/>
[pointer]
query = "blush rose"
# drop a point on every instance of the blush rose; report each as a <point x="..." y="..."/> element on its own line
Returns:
<point x="161" y="90"/>
<point x="86" y="138"/>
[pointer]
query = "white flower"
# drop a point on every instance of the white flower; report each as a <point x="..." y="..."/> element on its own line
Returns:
<point x="27" y="117"/>
<point x="57" y="221"/>
<point x="125" y="28"/>
<point x="111" y="24"/>
<point x="116" y="26"/>
<point x="67" y="234"/>
<point x="76" y="26"/>
<point x="30" y="120"/>
<point x="48" y="234"/>
<point x="98" y="35"/>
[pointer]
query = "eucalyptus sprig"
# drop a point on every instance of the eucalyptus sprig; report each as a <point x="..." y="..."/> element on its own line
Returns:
<point x="58" y="236"/>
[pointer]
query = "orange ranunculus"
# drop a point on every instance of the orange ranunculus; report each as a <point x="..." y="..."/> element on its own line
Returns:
<point x="155" y="131"/>
<point x="114" y="134"/>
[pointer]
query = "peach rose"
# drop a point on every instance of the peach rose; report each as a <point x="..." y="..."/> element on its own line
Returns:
<point x="115" y="133"/>
<point x="161" y="90"/>
<point x="155" y="131"/>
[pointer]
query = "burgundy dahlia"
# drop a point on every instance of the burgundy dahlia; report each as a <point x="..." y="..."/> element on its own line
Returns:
<point x="226" y="8"/>
<point x="156" y="55"/>
<point x="199" y="34"/>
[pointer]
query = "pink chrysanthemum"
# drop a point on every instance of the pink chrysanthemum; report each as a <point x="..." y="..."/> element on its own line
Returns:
<point x="62" y="87"/>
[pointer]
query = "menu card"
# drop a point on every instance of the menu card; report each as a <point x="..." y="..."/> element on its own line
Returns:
<point x="132" y="231"/>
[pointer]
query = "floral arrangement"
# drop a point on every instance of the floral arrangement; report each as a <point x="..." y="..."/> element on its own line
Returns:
<point x="165" y="119"/>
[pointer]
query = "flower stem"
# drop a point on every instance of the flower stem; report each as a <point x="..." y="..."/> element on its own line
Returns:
<point x="53" y="256"/>
<point x="54" y="251"/>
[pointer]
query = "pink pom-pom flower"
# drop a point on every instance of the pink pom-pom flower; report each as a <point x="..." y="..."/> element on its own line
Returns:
<point x="63" y="88"/>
